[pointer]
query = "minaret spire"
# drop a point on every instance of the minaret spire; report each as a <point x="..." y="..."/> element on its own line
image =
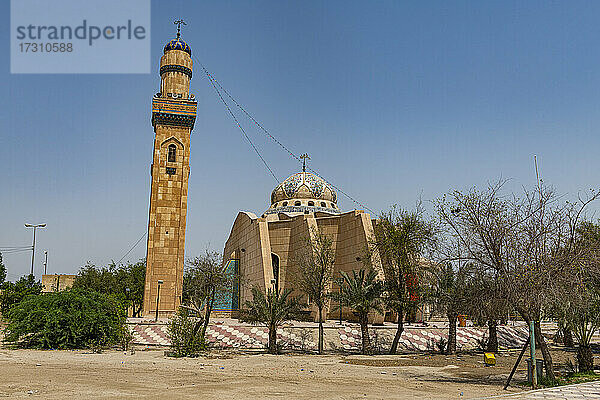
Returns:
<point x="179" y="22"/>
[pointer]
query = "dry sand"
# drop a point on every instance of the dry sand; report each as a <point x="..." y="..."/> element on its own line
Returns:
<point x="151" y="375"/>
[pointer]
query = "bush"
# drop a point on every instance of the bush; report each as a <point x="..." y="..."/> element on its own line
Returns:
<point x="66" y="320"/>
<point x="185" y="335"/>
<point x="14" y="292"/>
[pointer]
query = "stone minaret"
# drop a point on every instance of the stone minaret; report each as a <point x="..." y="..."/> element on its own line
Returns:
<point x="173" y="117"/>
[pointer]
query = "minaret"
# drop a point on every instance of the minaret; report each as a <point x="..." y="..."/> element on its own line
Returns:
<point x="173" y="117"/>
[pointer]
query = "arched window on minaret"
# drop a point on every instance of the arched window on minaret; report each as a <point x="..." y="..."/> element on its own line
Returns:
<point x="172" y="156"/>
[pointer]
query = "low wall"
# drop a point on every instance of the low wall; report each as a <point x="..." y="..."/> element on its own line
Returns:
<point x="345" y="337"/>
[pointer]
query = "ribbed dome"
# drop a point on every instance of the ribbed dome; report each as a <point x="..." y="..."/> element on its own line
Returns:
<point x="303" y="192"/>
<point x="178" y="44"/>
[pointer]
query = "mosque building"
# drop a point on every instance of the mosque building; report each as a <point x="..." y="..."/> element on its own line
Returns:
<point x="263" y="249"/>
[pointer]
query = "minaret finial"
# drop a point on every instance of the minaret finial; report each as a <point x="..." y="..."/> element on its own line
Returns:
<point x="304" y="157"/>
<point x="179" y="22"/>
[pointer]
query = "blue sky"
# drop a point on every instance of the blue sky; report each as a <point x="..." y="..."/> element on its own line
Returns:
<point x="392" y="100"/>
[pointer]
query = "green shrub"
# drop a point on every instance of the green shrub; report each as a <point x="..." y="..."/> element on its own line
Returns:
<point x="13" y="292"/>
<point x="66" y="320"/>
<point x="185" y="335"/>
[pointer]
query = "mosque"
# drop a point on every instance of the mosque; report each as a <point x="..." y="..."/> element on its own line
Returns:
<point x="261" y="249"/>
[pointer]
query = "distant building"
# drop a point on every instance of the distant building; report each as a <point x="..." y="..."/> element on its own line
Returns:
<point x="57" y="282"/>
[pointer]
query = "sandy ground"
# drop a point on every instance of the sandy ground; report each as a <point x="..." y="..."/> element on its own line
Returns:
<point x="150" y="375"/>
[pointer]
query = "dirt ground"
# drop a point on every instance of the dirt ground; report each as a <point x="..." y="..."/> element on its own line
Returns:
<point x="148" y="374"/>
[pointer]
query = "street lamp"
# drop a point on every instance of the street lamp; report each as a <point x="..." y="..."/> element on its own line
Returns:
<point x="340" y="283"/>
<point x="45" y="261"/>
<point x="34" y="226"/>
<point x="160" y="282"/>
<point x="127" y="291"/>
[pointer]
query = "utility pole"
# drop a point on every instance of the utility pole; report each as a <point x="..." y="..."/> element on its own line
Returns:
<point x="34" y="226"/>
<point x="45" y="262"/>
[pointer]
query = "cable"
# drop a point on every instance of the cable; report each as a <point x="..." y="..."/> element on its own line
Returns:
<point x="214" y="81"/>
<point x="3" y="252"/>
<point x="131" y="249"/>
<point x="236" y="120"/>
<point x="257" y="123"/>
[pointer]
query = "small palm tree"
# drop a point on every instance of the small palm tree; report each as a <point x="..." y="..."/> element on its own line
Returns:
<point x="449" y="293"/>
<point x="362" y="293"/>
<point x="271" y="309"/>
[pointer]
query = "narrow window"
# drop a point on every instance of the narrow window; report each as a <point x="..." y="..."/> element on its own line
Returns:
<point x="323" y="204"/>
<point x="311" y="203"/>
<point x="285" y="203"/>
<point x="172" y="153"/>
<point x="297" y="203"/>
<point x="275" y="264"/>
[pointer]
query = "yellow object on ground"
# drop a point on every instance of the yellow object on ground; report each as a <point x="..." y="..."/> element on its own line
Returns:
<point x="489" y="358"/>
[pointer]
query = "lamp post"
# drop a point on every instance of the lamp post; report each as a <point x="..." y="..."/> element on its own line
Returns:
<point x="160" y="282"/>
<point x="34" y="226"/>
<point x="45" y="261"/>
<point x="340" y="283"/>
<point x="127" y="291"/>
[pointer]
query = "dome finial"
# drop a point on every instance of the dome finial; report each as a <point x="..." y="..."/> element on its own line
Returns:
<point x="179" y="22"/>
<point x="304" y="157"/>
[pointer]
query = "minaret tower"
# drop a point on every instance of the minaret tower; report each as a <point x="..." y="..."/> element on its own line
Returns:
<point x="173" y="117"/>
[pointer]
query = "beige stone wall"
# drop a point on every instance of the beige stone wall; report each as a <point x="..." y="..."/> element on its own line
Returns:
<point x="57" y="282"/>
<point x="245" y="244"/>
<point x="286" y="238"/>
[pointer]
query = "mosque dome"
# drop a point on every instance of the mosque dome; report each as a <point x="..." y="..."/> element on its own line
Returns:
<point x="303" y="192"/>
<point x="178" y="44"/>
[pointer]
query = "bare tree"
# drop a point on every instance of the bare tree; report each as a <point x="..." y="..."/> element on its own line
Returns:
<point x="205" y="282"/>
<point x="547" y="246"/>
<point x="578" y="298"/>
<point x="315" y="272"/>
<point x="525" y="240"/>
<point x="479" y="229"/>
<point x="402" y="238"/>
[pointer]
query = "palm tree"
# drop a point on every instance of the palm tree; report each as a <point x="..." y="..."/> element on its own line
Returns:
<point x="271" y="309"/>
<point x="448" y="294"/>
<point x="362" y="293"/>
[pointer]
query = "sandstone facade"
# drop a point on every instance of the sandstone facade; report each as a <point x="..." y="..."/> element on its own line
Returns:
<point x="266" y="247"/>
